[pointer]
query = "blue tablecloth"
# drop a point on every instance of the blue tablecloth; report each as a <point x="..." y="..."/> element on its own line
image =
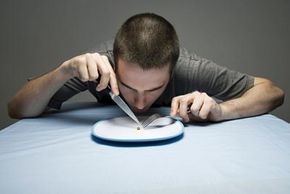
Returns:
<point x="57" y="154"/>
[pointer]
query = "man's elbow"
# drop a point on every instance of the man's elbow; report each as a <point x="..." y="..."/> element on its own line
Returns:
<point x="16" y="112"/>
<point x="277" y="94"/>
<point x="13" y="112"/>
<point x="280" y="97"/>
<point x="274" y="96"/>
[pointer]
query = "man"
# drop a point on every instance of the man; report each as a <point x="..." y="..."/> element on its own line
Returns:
<point x="147" y="67"/>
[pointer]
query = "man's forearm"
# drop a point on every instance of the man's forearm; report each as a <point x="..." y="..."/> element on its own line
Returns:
<point x="34" y="96"/>
<point x="263" y="97"/>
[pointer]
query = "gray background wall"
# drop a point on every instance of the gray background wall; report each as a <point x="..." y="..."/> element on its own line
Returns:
<point x="249" y="36"/>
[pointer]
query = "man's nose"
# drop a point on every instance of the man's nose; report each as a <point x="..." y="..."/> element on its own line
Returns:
<point x="140" y="102"/>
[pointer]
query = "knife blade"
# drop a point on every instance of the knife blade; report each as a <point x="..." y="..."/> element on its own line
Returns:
<point x="123" y="105"/>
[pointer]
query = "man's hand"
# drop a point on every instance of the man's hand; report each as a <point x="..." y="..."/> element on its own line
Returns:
<point x="91" y="66"/>
<point x="87" y="67"/>
<point x="196" y="106"/>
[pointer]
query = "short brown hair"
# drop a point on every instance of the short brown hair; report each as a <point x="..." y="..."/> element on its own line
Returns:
<point x="148" y="40"/>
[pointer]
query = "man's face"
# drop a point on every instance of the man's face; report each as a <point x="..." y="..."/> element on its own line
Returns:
<point x="140" y="87"/>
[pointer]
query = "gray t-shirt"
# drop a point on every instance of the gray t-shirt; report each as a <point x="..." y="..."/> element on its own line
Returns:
<point x="192" y="73"/>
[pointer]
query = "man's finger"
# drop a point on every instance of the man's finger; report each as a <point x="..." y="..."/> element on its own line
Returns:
<point x="83" y="72"/>
<point x="207" y="107"/>
<point x="183" y="107"/>
<point x="92" y="67"/>
<point x="195" y="118"/>
<point x="196" y="104"/>
<point x="113" y="79"/>
<point x="104" y="72"/>
<point x="174" y="106"/>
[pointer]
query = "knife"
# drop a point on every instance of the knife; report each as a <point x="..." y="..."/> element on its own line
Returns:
<point x="123" y="105"/>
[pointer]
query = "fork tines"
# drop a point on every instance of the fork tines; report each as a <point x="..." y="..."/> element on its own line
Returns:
<point x="150" y="119"/>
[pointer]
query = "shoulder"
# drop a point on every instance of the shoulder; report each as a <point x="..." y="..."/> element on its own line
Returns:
<point x="188" y="59"/>
<point x="190" y="63"/>
<point x="187" y="63"/>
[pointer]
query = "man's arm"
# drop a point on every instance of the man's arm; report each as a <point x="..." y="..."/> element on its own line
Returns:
<point x="34" y="96"/>
<point x="32" y="99"/>
<point x="263" y="97"/>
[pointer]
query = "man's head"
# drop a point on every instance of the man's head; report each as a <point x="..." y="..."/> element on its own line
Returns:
<point x="147" y="40"/>
<point x="146" y="50"/>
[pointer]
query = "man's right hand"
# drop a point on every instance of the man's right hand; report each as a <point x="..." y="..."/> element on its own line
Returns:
<point x="87" y="67"/>
<point x="91" y="66"/>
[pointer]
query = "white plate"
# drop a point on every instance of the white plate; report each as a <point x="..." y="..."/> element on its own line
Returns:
<point x="124" y="129"/>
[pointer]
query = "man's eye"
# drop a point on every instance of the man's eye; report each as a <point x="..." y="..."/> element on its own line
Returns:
<point x="130" y="89"/>
<point x="152" y="91"/>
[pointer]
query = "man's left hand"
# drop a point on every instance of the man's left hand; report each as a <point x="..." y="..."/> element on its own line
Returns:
<point x="196" y="106"/>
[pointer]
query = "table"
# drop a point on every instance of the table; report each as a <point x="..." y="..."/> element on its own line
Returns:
<point x="56" y="153"/>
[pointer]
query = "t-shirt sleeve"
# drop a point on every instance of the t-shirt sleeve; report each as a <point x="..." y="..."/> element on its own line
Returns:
<point x="68" y="90"/>
<point x="199" y="74"/>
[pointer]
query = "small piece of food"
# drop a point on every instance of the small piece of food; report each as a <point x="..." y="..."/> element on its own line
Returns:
<point x="138" y="128"/>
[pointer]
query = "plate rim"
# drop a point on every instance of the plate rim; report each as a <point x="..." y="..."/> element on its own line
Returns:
<point x="181" y="131"/>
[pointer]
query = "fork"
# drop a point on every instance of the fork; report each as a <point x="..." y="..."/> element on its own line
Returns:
<point x="159" y="120"/>
<point x="166" y="119"/>
<point x="150" y="119"/>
